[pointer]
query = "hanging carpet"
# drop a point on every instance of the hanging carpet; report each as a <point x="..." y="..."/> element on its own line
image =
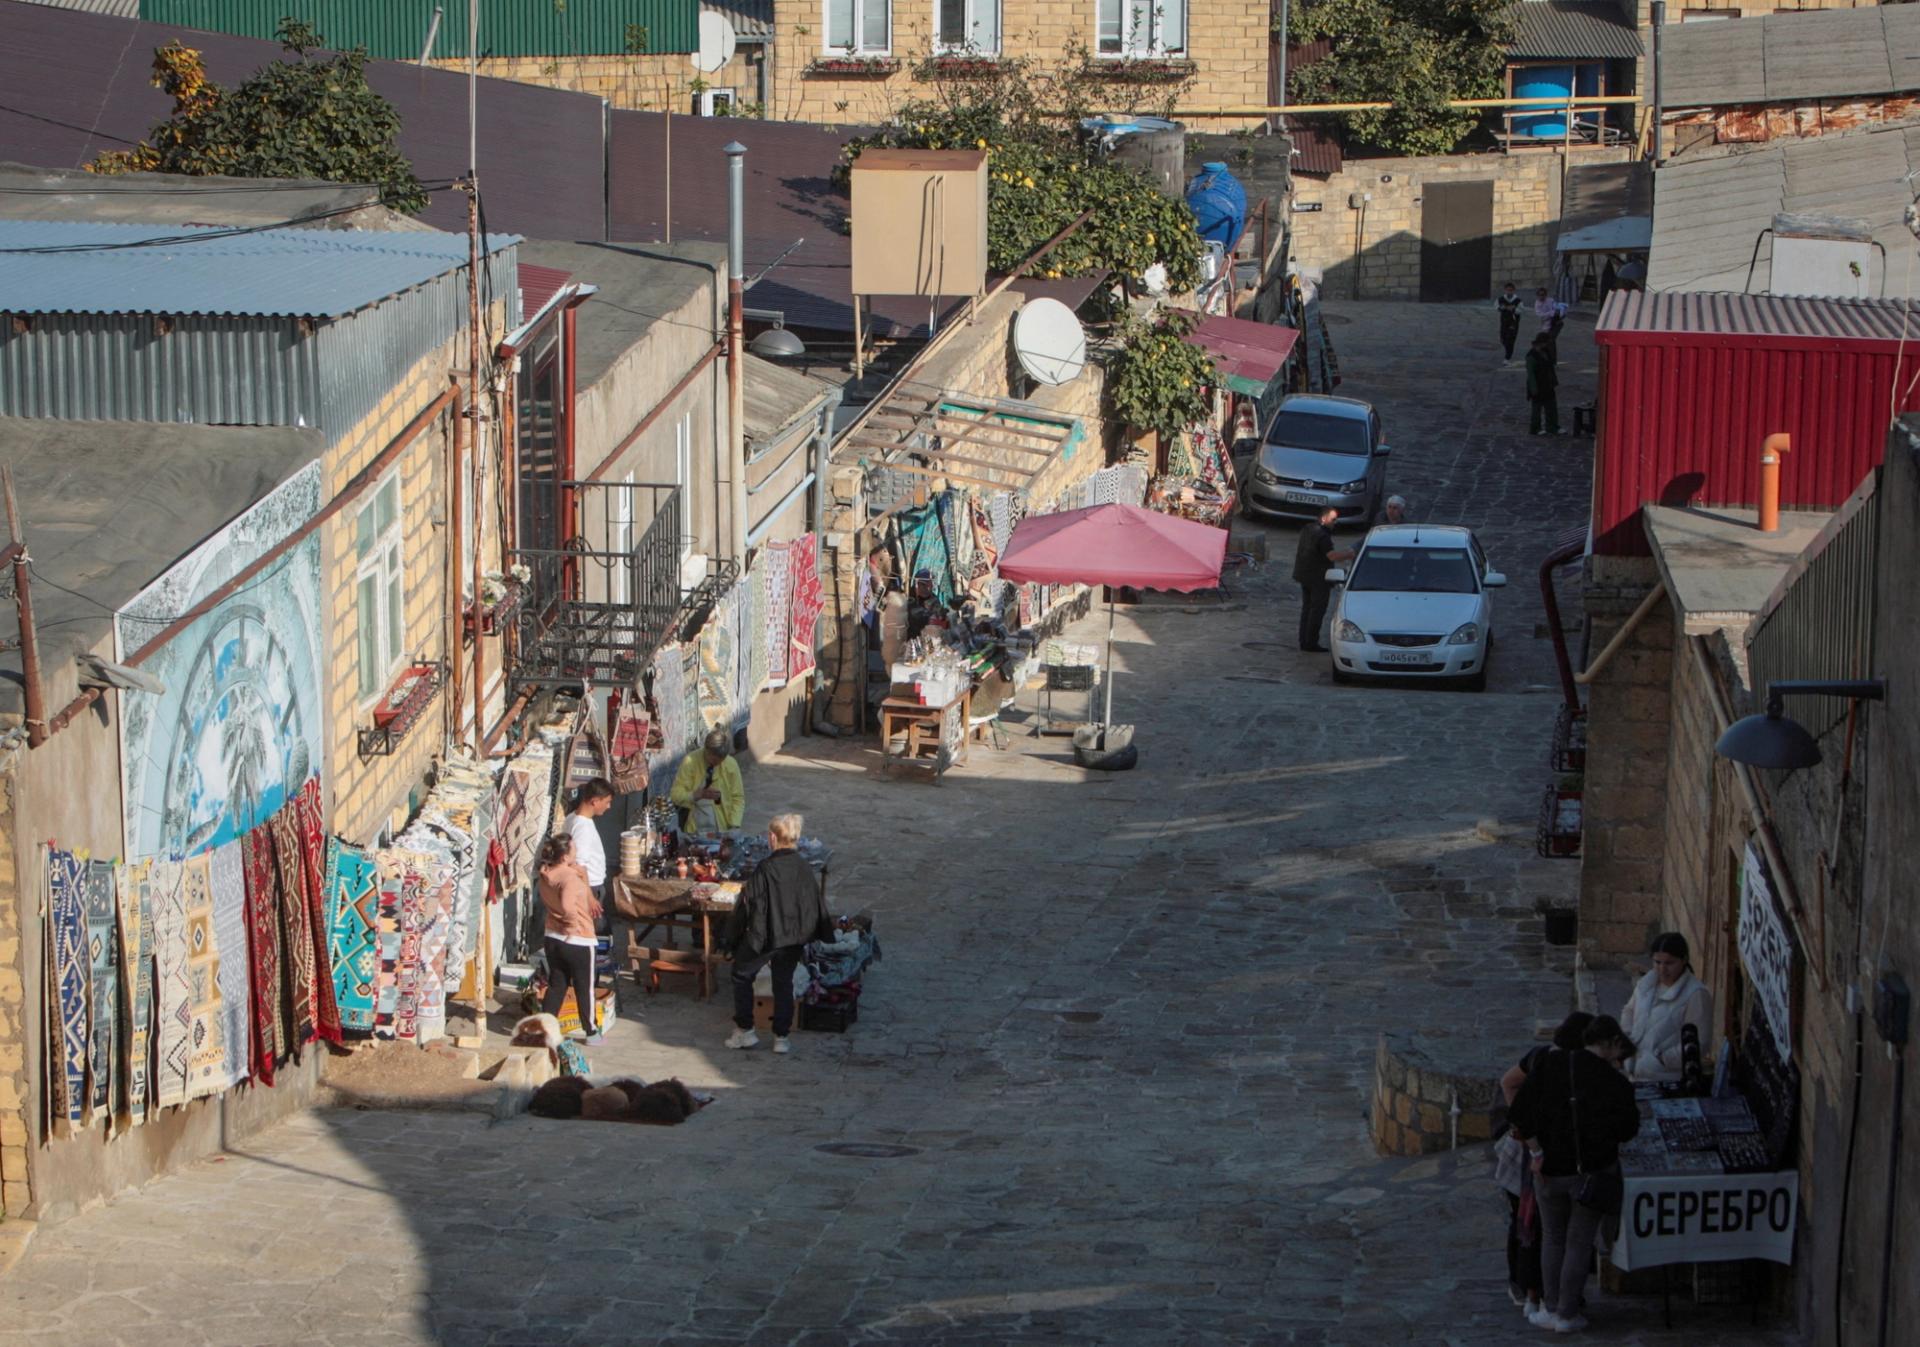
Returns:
<point x="136" y="990"/>
<point x="807" y="601"/>
<point x="263" y="952"/>
<point x="226" y="868"/>
<point x="352" y="886"/>
<point x="67" y="986"/>
<point x="296" y="933"/>
<point x="313" y="865"/>
<point x="206" y="1050"/>
<point x="172" y="983"/>
<point x="103" y="961"/>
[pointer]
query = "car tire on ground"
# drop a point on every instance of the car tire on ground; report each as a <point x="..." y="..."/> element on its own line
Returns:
<point x="1340" y="675"/>
<point x="1477" y="682"/>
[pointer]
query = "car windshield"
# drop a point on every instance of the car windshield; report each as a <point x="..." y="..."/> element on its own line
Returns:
<point x="1414" y="570"/>
<point x="1329" y="434"/>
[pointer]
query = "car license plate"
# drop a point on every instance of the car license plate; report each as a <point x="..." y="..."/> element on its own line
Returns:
<point x="1304" y="498"/>
<point x="1403" y="657"/>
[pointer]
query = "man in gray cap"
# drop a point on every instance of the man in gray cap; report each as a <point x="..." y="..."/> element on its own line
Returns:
<point x="707" y="788"/>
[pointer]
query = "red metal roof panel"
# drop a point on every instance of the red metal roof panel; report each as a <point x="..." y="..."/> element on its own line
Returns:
<point x="1245" y="349"/>
<point x="538" y="285"/>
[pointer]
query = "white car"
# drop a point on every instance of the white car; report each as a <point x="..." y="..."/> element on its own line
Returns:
<point x="1416" y="604"/>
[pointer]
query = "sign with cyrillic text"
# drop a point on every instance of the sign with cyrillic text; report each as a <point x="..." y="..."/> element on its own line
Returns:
<point x="1707" y="1218"/>
<point x="1767" y="950"/>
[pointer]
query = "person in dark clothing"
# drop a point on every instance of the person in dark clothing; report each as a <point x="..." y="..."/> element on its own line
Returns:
<point x="1509" y="306"/>
<point x="1312" y="558"/>
<point x="1543" y="386"/>
<point x="780" y="910"/>
<point x="1524" y="1285"/>
<point x="1574" y="1110"/>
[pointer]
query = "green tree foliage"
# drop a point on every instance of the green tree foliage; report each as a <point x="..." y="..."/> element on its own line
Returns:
<point x="1157" y="379"/>
<point x="1417" y="54"/>
<point x="309" y="117"/>
<point x="1042" y="178"/>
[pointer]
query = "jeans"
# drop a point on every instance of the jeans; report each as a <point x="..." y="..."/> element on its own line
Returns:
<point x="1567" y="1231"/>
<point x="1523" y="1260"/>
<point x="570" y="966"/>
<point x="1549" y="407"/>
<point x="745" y="971"/>
<point x="1509" y="330"/>
<point x="1315" y="595"/>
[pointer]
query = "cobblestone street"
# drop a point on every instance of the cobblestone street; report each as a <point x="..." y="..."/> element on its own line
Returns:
<point x="1110" y="1080"/>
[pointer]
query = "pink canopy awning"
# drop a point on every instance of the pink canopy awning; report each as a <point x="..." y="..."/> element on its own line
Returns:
<point x="1114" y="545"/>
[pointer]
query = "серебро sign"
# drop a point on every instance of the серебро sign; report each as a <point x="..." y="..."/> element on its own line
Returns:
<point x="1707" y="1218"/>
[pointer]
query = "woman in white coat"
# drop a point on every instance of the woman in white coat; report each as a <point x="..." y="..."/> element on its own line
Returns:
<point x="1667" y="998"/>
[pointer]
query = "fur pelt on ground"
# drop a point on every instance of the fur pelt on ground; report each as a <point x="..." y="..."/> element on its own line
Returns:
<point x="559" y="1097"/>
<point x="663" y="1103"/>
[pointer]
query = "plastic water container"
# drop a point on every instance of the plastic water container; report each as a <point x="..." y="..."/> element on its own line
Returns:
<point x="1218" y="203"/>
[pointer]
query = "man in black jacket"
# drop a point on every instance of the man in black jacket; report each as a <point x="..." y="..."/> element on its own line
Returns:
<point x="780" y="910"/>
<point x="1543" y="386"/>
<point x="1313" y="556"/>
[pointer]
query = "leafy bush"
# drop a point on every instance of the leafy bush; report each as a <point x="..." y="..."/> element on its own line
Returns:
<point x="1157" y="380"/>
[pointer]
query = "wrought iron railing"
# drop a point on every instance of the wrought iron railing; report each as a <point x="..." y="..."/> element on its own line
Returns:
<point x="596" y="611"/>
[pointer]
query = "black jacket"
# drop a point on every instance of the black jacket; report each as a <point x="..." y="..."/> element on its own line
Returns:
<point x="780" y="905"/>
<point x="1544" y="1111"/>
<point x="1543" y="380"/>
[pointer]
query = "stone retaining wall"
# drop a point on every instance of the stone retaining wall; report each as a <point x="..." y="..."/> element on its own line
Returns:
<point x="1414" y="1098"/>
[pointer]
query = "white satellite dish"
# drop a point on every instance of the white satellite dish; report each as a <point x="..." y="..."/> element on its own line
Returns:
<point x="717" y="42"/>
<point x="1049" y="342"/>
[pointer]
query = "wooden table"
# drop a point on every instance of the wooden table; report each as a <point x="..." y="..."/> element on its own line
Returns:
<point x="672" y="905"/>
<point x="927" y="731"/>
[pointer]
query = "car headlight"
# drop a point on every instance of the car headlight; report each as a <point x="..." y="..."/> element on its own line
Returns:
<point x="1262" y="475"/>
<point x="1351" y="487"/>
<point x="1346" y="631"/>
<point x="1467" y="633"/>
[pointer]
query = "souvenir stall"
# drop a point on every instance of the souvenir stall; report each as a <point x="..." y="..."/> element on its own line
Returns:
<point x="173" y="979"/>
<point x="1200" y="482"/>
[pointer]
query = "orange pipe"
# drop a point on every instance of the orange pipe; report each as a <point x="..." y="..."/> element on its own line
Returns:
<point x="1770" y="450"/>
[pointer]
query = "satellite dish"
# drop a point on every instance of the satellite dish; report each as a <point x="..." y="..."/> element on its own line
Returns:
<point x="1049" y="342"/>
<point x="717" y="42"/>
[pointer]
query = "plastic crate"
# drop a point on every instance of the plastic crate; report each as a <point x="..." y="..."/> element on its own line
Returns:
<point x="829" y="1019"/>
<point x="1071" y="677"/>
<point x="1570" y="740"/>
<point x="1557" y="837"/>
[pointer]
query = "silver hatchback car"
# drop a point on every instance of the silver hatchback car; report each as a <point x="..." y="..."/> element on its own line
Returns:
<point x="1320" y="451"/>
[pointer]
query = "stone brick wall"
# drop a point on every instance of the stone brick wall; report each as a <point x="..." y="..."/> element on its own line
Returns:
<point x="1226" y="41"/>
<point x="1414" y="1098"/>
<point x="651" y="83"/>
<point x="1382" y="242"/>
<point x="1624" y="807"/>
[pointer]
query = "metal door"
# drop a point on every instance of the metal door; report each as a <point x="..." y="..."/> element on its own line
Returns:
<point x="1456" y="241"/>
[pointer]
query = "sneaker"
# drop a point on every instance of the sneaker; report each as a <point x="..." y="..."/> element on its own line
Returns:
<point x="1519" y="1300"/>
<point x="595" y="1040"/>
<point x="1542" y="1317"/>
<point x="781" y="1045"/>
<point x="1573" y="1325"/>
<point x="743" y="1038"/>
<point x="1530" y="1308"/>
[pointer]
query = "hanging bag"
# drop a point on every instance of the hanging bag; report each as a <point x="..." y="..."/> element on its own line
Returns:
<point x="627" y="769"/>
<point x="587" y="758"/>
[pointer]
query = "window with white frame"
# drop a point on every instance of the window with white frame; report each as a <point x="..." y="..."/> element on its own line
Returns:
<point x="620" y="543"/>
<point x="683" y="478"/>
<point x="1131" y="29"/>
<point x="379" y="603"/>
<point x="967" y="26"/>
<point x="859" y="27"/>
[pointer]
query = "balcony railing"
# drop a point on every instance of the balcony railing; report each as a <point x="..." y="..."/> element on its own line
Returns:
<point x="596" y="611"/>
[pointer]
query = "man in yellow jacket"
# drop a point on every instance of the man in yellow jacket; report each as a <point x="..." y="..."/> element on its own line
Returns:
<point x="707" y="788"/>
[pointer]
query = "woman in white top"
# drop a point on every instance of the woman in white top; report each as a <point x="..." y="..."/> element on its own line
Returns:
<point x="1667" y="998"/>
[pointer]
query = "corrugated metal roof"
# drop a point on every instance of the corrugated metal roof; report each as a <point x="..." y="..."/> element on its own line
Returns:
<point x="1791" y="56"/>
<point x="1794" y="318"/>
<point x="1607" y="208"/>
<point x="397" y="29"/>
<point x="774" y="397"/>
<point x="1711" y="209"/>
<point x="752" y="20"/>
<point x="1588" y="30"/>
<point x="120" y="9"/>
<point x="77" y="84"/>
<point x="307" y="273"/>
<point x="539" y="284"/>
<point x="1315" y="149"/>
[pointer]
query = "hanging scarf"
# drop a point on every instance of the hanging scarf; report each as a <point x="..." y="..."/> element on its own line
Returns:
<point x="263" y="949"/>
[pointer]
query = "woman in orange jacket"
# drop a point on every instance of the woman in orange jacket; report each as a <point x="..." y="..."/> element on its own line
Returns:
<point x="572" y="911"/>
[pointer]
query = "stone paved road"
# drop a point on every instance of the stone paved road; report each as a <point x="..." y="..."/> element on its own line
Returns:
<point x="1122" y="1033"/>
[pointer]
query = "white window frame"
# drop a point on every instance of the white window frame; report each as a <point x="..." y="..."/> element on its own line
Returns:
<point x="380" y="557"/>
<point x="620" y="543"/>
<point x="974" y="8"/>
<point x="858" y="48"/>
<point x="1128" y="18"/>
<point x="683" y="478"/>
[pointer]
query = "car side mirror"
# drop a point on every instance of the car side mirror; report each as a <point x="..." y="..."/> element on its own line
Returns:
<point x="1336" y="575"/>
<point x="1382" y="450"/>
<point x="1494" y="580"/>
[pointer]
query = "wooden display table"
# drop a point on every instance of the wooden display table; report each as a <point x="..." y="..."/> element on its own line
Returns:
<point x="673" y="906"/>
<point x="925" y="732"/>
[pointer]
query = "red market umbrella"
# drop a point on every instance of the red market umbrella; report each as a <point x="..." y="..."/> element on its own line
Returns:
<point x="1114" y="545"/>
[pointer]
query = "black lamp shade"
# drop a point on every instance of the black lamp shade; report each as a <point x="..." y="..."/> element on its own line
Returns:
<point x="1774" y="742"/>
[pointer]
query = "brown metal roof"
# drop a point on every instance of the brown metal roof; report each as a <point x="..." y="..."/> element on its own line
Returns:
<point x="77" y="84"/>
<point x="1795" y="320"/>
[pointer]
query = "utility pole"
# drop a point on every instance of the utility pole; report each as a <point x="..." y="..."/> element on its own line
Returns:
<point x="736" y="344"/>
<point x="1281" y="93"/>
<point x="476" y="380"/>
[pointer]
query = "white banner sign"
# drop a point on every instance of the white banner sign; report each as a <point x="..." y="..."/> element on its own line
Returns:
<point x="1707" y="1218"/>
<point x="1767" y="950"/>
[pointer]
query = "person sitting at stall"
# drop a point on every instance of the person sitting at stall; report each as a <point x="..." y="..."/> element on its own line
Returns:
<point x="571" y="913"/>
<point x="923" y="607"/>
<point x="707" y="789"/>
<point x="1664" y="1001"/>
<point x="1574" y="1111"/>
<point x="780" y="910"/>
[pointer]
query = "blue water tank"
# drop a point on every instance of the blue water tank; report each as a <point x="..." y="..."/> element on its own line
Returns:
<point x="1542" y="81"/>
<point x="1218" y="203"/>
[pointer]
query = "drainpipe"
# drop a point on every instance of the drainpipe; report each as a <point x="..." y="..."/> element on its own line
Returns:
<point x="1568" y="688"/>
<point x="35" y="694"/>
<point x="1659" y="104"/>
<point x="736" y="348"/>
<point x="822" y="450"/>
<point x="1770" y="450"/>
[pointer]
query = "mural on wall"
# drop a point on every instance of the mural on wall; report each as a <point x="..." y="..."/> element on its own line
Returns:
<point x="238" y="729"/>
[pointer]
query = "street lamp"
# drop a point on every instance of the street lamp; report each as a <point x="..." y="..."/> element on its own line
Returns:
<point x="777" y="343"/>
<point x="1777" y="742"/>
